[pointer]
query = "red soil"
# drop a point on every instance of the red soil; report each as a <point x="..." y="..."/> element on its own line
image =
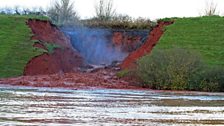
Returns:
<point x="103" y="78"/>
<point x="126" y="42"/>
<point x="57" y="69"/>
<point x="47" y="32"/>
<point x="155" y="34"/>
<point x="65" y="59"/>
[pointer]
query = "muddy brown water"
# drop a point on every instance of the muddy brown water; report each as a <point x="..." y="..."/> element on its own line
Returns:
<point x="46" y="106"/>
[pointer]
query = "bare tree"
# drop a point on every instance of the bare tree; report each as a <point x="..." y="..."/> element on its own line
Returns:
<point x="17" y="10"/>
<point x="62" y="12"/>
<point x="211" y="9"/>
<point x="104" y="10"/>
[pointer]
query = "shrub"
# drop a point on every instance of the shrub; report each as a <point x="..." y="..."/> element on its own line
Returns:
<point x="179" y="69"/>
<point x="212" y="79"/>
<point x="169" y="69"/>
<point x="120" y="22"/>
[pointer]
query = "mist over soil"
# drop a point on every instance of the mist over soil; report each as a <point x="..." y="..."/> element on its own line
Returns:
<point x="101" y="46"/>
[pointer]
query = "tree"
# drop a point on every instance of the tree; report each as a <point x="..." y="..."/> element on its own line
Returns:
<point x="211" y="9"/>
<point x="105" y="10"/>
<point x="62" y="13"/>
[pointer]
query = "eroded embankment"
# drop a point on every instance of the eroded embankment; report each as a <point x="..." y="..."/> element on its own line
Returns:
<point x="104" y="46"/>
<point x="62" y="59"/>
<point x="147" y="47"/>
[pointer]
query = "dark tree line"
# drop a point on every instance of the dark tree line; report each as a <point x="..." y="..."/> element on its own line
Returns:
<point x="17" y="10"/>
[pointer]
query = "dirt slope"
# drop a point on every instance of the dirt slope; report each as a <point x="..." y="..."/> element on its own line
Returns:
<point x="64" y="59"/>
<point x="146" y="48"/>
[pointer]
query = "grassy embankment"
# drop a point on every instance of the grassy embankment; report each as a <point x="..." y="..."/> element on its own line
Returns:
<point x="16" y="47"/>
<point x="204" y="35"/>
<point x="189" y="56"/>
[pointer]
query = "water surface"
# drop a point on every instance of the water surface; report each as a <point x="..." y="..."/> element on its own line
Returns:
<point x="46" y="106"/>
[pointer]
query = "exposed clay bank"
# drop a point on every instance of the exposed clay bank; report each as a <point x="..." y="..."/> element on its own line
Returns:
<point x="63" y="67"/>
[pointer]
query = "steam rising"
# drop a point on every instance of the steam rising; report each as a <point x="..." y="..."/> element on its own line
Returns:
<point x="95" y="45"/>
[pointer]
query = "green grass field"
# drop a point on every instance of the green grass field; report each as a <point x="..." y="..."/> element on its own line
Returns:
<point x="16" y="48"/>
<point x="203" y="35"/>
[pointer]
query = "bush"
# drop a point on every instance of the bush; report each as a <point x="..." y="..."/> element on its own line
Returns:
<point x="120" y="22"/>
<point x="179" y="69"/>
<point x="169" y="69"/>
<point x="212" y="79"/>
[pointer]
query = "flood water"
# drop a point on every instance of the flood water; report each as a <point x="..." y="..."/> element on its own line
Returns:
<point x="46" y="106"/>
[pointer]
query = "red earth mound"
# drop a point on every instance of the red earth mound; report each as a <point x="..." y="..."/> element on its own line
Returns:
<point x="102" y="78"/>
<point x="64" y="59"/>
<point x="155" y="34"/>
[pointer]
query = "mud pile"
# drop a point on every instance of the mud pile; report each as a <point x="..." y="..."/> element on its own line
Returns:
<point x="146" y="48"/>
<point x="102" y="78"/>
<point x="64" y="59"/>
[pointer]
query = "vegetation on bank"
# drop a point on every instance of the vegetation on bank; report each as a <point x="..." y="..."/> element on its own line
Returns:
<point x="16" y="47"/>
<point x="201" y="34"/>
<point x="179" y="69"/>
<point x="189" y="56"/>
<point x="120" y="22"/>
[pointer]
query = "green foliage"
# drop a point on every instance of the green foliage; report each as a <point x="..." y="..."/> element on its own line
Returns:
<point x="51" y="47"/>
<point x="168" y="69"/>
<point x="179" y="69"/>
<point x="212" y="79"/>
<point x="202" y="34"/>
<point x="122" y="73"/>
<point x="16" y="48"/>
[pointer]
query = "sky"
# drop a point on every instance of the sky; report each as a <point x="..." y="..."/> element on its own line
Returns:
<point x="153" y="9"/>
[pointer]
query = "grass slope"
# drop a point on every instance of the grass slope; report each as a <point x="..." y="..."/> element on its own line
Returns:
<point x="204" y="35"/>
<point x="16" y="48"/>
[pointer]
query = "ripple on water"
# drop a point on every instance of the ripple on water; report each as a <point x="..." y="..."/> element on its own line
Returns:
<point x="38" y="106"/>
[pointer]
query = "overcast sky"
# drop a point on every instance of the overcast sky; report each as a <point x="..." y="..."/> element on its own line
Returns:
<point x="152" y="9"/>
